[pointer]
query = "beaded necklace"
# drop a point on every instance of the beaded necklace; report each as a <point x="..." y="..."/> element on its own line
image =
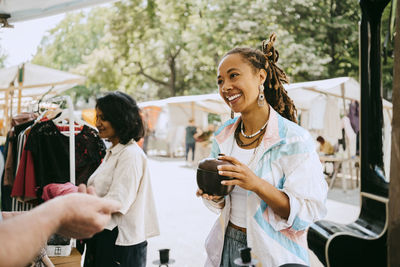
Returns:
<point x="254" y="134"/>
<point x="240" y="142"/>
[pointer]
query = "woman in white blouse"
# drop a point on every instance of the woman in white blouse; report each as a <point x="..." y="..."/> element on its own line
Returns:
<point x="123" y="176"/>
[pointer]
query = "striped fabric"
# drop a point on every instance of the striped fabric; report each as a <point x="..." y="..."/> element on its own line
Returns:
<point x="287" y="159"/>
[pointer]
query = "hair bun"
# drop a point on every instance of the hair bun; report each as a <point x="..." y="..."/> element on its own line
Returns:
<point x="268" y="49"/>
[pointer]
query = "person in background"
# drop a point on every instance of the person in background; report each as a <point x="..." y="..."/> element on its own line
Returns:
<point x="203" y="143"/>
<point x="77" y="215"/>
<point x="279" y="185"/>
<point x="190" y="141"/>
<point x="124" y="177"/>
<point x="325" y="147"/>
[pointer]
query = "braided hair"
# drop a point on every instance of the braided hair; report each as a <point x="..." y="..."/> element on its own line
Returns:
<point x="274" y="91"/>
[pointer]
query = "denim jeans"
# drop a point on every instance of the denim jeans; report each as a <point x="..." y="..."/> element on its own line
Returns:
<point x="190" y="146"/>
<point x="234" y="240"/>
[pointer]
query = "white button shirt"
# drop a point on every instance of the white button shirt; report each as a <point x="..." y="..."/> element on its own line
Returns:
<point x="124" y="176"/>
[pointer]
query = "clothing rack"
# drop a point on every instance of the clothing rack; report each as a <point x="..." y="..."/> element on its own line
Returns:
<point x="54" y="102"/>
<point x="71" y="139"/>
<point x="71" y="117"/>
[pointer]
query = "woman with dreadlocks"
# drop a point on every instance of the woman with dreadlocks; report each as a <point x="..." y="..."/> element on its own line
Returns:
<point x="279" y="185"/>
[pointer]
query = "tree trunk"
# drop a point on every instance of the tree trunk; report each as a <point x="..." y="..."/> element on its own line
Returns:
<point x="172" y="67"/>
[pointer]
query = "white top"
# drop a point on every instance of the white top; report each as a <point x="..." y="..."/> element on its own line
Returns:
<point x="124" y="176"/>
<point x="238" y="194"/>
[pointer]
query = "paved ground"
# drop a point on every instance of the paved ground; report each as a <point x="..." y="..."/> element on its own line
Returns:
<point x="185" y="222"/>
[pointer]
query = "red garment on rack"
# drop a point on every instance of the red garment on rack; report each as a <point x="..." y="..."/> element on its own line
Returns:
<point x="53" y="190"/>
<point x="25" y="182"/>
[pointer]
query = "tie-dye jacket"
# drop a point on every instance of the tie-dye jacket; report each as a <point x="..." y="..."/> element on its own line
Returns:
<point x="287" y="159"/>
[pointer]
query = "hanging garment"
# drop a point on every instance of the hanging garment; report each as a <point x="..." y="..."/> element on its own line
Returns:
<point x="50" y="151"/>
<point x="10" y="157"/>
<point x="354" y="115"/>
<point x="304" y="119"/>
<point x="6" y="202"/>
<point x="387" y="141"/>
<point x="317" y="113"/>
<point x="351" y="135"/>
<point x="53" y="190"/>
<point x="332" y="130"/>
<point x="25" y="183"/>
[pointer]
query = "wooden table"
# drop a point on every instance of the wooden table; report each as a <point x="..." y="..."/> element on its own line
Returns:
<point x="73" y="260"/>
<point x="337" y="162"/>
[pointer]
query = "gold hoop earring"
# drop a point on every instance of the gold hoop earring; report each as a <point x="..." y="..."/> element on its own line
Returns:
<point x="232" y="114"/>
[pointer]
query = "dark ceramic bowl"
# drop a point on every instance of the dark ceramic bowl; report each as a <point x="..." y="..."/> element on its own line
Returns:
<point x="208" y="179"/>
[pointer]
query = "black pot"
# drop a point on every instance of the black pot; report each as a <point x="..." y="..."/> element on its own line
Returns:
<point x="208" y="179"/>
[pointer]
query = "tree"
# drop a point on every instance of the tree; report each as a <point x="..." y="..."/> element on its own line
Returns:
<point x="326" y="28"/>
<point x="73" y="39"/>
<point x="387" y="37"/>
<point x="160" y="48"/>
<point x="76" y="36"/>
<point x="150" y="41"/>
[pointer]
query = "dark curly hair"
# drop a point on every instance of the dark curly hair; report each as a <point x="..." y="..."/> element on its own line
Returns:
<point x="274" y="91"/>
<point x="123" y="113"/>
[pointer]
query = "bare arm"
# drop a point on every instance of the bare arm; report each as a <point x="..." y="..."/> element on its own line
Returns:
<point x="76" y="215"/>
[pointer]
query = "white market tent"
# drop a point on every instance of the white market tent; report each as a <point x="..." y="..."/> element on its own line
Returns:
<point x="20" y="10"/>
<point x="304" y="93"/>
<point x="343" y="89"/>
<point x="20" y="86"/>
<point x="183" y="108"/>
<point x="176" y="111"/>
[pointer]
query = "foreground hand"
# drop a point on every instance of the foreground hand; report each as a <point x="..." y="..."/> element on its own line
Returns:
<point x="244" y="177"/>
<point x="10" y="214"/>
<point x="83" y="215"/>
<point x="199" y="193"/>
<point x="82" y="188"/>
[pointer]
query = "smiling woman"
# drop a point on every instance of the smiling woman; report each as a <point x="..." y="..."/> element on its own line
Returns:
<point x="124" y="177"/>
<point x="280" y="186"/>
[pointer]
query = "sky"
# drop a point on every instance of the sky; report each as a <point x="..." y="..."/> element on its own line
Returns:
<point x="20" y="43"/>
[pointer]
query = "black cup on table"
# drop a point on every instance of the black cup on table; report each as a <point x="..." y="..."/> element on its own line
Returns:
<point x="164" y="255"/>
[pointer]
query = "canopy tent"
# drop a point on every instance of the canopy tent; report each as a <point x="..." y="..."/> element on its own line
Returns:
<point x="197" y="107"/>
<point x="176" y="111"/>
<point x="304" y="93"/>
<point x="20" y="85"/>
<point x="211" y="103"/>
<point x="308" y="95"/>
<point x="20" y="10"/>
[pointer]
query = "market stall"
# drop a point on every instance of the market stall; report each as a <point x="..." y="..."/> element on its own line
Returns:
<point x="22" y="87"/>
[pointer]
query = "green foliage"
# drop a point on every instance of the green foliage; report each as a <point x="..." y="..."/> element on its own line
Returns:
<point x="74" y="38"/>
<point x="160" y="48"/>
<point x="387" y="42"/>
<point x="325" y="30"/>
